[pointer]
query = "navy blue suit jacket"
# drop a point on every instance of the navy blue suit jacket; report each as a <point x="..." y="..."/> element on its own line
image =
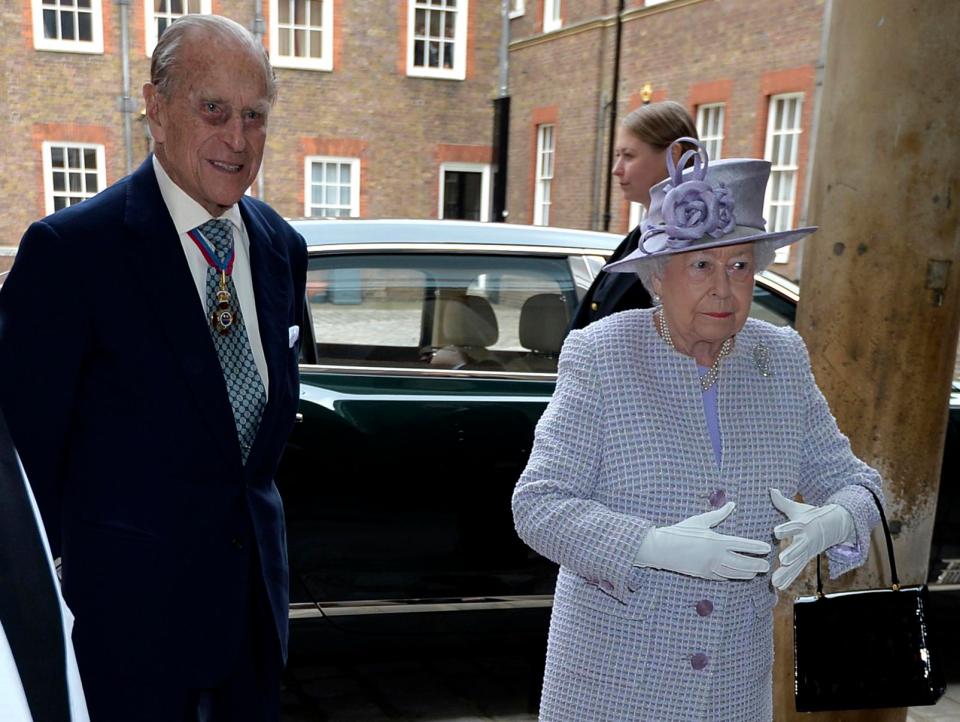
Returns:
<point x="115" y="397"/>
<point x="613" y="292"/>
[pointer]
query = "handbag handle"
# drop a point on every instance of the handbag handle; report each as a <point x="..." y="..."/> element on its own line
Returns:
<point x="893" y="562"/>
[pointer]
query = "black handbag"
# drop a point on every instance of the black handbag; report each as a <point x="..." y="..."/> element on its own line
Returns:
<point x="865" y="649"/>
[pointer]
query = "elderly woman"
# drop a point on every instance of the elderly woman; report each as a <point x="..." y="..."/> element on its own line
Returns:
<point x="665" y="467"/>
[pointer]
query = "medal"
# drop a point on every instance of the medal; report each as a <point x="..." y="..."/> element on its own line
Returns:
<point x="222" y="317"/>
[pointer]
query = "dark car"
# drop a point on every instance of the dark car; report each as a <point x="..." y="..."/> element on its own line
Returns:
<point x="431" y="354"/>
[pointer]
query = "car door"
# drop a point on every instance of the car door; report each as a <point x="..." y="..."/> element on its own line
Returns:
<point x="431" y="371"/>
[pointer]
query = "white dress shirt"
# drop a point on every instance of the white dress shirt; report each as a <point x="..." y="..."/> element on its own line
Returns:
<point x="187" y="214"/>
<point x="13" y="700"/>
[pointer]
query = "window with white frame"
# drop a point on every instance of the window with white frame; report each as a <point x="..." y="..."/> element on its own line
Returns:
<point x="710" y="128"/>
<point x="517" y="8"/>
<point x="782" y="150"/>
<point x="638" y="212"/>
<point x="332" y="187"/>
<point x="72" y="172"/>
<point x="541" y="197"/>
<point x="551" y="15"/>
<point x="301" y="34"/>
<point x="158" y="14"/>
<point x="464" y="191"/>
<point x="73" y="26"/>
<point x="437" y="39"/>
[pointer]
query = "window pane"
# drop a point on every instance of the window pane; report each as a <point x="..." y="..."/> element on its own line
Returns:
<point x="448" y="55"/>
<point x="316" y="194"/>
<point x="67" y="31"/>
<point x="176" y="7"/>
<point x="330" y="196"/>
<point x="418" y="53"/>
<point x="56" y="157"/>
<point x="345" y="173"/>
<point x="345" y="196"/>
<point x="49" y="24"/>
<point x="85" y="28"/>
<point x="59" y="182"/>
<point x="83" y="4"/>
<point x="91" y="180"/>
<point x="436" y="18"/>
<point x="420" y="22"/>
<point x="90" y="158"/>
<point x="73" y="157"/>
<point x="74" y="180"/>
<point x="283" y="11"/>
<point x="316" y="44"/>
<point x="285" y="43"/>
<point x="300" y="42"/>
<point x="59" y="202"/>
<point x="372" y="310"/>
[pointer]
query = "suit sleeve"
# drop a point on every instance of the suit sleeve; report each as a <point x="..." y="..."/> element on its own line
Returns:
<point x="552" y="506"/>
<point x="832" y="473"/>
<point x="44" y="336"/>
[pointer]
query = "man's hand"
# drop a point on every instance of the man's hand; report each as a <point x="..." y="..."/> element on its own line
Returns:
<point x="813" y="529"/>
<point x="691" y="547"/>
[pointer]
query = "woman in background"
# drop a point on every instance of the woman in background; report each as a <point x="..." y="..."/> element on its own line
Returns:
<point x="641" y="149"/>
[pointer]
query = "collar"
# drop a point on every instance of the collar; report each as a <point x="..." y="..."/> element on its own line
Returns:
<point x="186" y="213"/>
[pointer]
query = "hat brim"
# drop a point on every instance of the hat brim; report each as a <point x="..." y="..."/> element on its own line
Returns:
<point x="740" y="234"/>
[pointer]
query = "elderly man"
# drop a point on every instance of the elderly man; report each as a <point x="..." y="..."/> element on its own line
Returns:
<point x="148" y="369"/>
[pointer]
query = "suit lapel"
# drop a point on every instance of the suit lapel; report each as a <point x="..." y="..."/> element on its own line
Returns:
<point x="180" y="319"/>
<point x="271" y="283"/>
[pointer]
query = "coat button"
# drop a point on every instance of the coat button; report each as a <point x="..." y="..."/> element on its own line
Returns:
<point x="704" y="607"/>
<point x="594" y="306"/>
<point x="699" y="661"/>
<point x="718" y="498"/>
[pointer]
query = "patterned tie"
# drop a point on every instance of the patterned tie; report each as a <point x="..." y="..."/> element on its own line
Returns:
<point x="244" y="385"/>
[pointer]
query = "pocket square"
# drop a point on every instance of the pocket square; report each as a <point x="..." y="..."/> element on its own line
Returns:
<point x="294" y="333"/>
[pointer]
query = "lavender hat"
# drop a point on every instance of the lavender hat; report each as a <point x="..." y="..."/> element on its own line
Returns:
<point x="706" y="206"/>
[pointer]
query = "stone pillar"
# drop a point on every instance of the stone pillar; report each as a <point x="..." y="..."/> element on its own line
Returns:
<point x="880" y="298"/>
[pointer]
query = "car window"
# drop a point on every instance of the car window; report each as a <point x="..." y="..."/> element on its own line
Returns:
<point x="771" y="307"/>
<point x="440" y="311"/>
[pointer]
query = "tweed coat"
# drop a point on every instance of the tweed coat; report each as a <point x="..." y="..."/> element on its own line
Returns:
<point x="622" y="447"/>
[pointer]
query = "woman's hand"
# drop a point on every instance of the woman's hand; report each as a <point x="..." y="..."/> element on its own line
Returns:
<point x="813" y="529"/>
<point x="691" y="547"/>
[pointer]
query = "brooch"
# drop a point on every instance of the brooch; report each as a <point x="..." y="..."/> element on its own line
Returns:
<point x="761" y="357"/>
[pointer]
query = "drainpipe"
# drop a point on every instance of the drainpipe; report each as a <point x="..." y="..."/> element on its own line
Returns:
<point x="259" y="26"/>
<point x="125" y="103"/>
<point x="501" y="122"/>
<point x="613" y="114"/>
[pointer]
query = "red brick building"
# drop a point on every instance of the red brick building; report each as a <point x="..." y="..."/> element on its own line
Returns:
<point x="385" y="109"/>
<point x="745" y="70"/>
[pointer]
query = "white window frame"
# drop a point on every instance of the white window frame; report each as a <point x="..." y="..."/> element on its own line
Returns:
<point x="710" y="117"/>
<point x="648" y="3"/>
<point x="324" y="62"/>
<point x="150" y="22"/>
<point x="543" y="192"/>
<point x="483" y="169"/>
<point x="459" y="69"/>
<point x="784" y="166"/>
<point x="552" y="19"/>
<point x="92" y="46"/>
<point x="48" y="192"/>
<point x="517" y="8"/>
<point x="308" y="182"/>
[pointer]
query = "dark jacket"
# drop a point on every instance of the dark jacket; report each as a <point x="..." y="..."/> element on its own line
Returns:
<point x="613" y="292"/>
<point x="117" y="403"/>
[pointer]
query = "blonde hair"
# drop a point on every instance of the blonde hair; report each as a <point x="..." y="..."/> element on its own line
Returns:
<point x="659" y="124"/>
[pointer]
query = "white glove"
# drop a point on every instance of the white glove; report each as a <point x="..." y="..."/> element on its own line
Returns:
<point x="690" y="547"/>
<point x="814" y="529"/>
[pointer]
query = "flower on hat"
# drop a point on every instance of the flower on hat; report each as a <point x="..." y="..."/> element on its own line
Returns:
<point x="693" y="208"/>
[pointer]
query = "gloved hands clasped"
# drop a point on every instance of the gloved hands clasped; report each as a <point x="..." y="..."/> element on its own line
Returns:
<point x="813" y="530"/>
<point x="691" y="547"/>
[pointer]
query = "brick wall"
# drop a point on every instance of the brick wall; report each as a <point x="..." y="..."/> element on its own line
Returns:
<point x="367" y="105"/>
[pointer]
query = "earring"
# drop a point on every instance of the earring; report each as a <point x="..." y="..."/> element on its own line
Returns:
<point x="656" y="299"/>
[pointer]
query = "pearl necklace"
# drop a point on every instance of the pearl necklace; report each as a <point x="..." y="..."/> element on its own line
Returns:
<point x="709" y="378"/>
